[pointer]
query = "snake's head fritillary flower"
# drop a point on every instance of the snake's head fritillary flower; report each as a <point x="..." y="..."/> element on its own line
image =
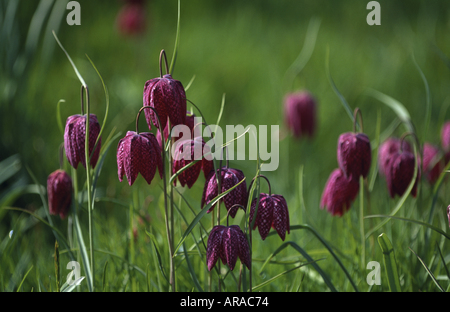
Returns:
<point x="167" y="96"/>
<point x="273" y="213"/>
<point x="59" y="192"/>
<point x="354" y="154"/>
<point x="300" y="113"/>
<point x="387" y="149"/>
<point x="131" y="19"/>
<point x="400" y="171"/>
<point x="188" y="151"/>
<point x="138" y="153"/>
<point x="445" y="136"/>
<point x="433" y="164"/>
<point x="339" y="193"/>
<point x="189" y="122"/>
<point x="227" y="243"/>
<point x="75" y="138"/>
<point x="230" y="177"/>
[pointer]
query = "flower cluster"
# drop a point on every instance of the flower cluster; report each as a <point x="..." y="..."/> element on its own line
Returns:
<point x="354" y="156"/>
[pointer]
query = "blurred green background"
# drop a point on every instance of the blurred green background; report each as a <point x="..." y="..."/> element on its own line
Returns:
<point x="238" y="48"/>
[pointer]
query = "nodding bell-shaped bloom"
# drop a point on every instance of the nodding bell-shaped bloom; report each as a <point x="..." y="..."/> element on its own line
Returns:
<point x="75" y="138"/>
<point x="433" y="164"/>
<point x="138" y="153"/>
<point x="273" y="213"/>
<point x="167" y="96"/>
<point x="400" y="171"/>
<point x="230" y="177"/>
<point x="339" y="193"/>
<point x="131" y="19"/>
<point x="354" y="154"/>
<point x="188" y="151"/>
<point x="59" y="192"/>
<point x="387" y="149"/>
<point x="227" y="243"/>
<point x="300" y="113"/>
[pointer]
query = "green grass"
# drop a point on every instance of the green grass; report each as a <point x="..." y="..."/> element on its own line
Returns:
<point x="243" y="50"/>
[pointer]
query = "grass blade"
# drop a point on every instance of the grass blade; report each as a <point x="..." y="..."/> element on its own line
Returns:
<point x="23" y="279"/>
<point x="428" y="271"/>
<point x="389" y="263"/>
<point x="84" y="253"/>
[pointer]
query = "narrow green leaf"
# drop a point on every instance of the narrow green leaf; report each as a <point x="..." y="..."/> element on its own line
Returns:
<point x="57" y="268"/>
<point x="428" y="271"/>
<point x="389" y="263"/>
<point x="69" y="288"/>
<point x="104" y="276"/>
<point x="177" y="41"/>
<point x="191" y="270"/>
<point x="155" y="245"/>
<point x="23" y="279"/>
<point x="84" y="253"/>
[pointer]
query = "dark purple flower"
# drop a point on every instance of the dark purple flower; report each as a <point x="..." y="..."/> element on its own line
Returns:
<point x="189" y="122"/>
<point x="188" y="151"/>
<point x="75" y="138"/>
<point x="138" y="153"/>
<point x="59" y="192"/>
<point x="400" y="171"/>
<point x="387" y="149"/>
<point x="339" y="193"/>
<point x="354" y="154"/>
<point x="167" y="96"/>
<point x="227" y="243"/>
<point x="433" y="164"/>
<point x="230" y="177"/>
<point x="300" y="113"/>
<point x="445" y="136"/>
<point x="273" y="213"/>
<point x="131" y="19"/>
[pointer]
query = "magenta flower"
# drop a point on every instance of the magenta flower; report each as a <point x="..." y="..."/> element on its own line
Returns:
<point x="432" y="165"/>
<point x="354" y="154"/>
<point x="387" y="149"/>
<point x="167" y="96"/>
<point x="131" y="19"/>
<point x="230" y="177"/>
<point x="75" y="137"/>
<point x="300" y="113"/>
<point x="445" y="136"/>
<point x="59" y="192"/>
<point x="227" y="243"/>
<point x="400" y="171"/>
<point x="273" y="213"/>
<point x="339" y="193"/>
<point x="188" y="151"/>
<point x="138" y="153"/>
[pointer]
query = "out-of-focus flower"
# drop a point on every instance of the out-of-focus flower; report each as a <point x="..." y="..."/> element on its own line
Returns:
<point x="138" y="153"/>
<point x="272" y="212"/>
<point x="354" y="154"/>
<point x="433" y="164"/>
<point x="400" y="171"/>
<point x="387" y="149"/>
<point x="227" y="243"/>
<point x="339" y="193"/>
<point x="300" y="113"/>
<point x="448" y="215"/>
<point x="188" y="151"/>
<point x="59" y="192"/>
<point x="230" y="177"/>
<point x="75" y="138"/>
<point x="131" y="19"/>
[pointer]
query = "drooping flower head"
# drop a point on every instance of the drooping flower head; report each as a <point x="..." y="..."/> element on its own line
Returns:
<point x="300" y="113"/>
<point x="354" y="154"/>
<point x="227" y="243"/>
<point x="167" y="96"/>
<point x="400" y="172"/>
<point x="387" y="149"/>
<point x="230" y="177"/>
<point x="75" y="138"/>
<point x="131" y="19"/>
<point x="339" y="193"/>
<point x="188" y="151"/>
<point x="59" y="192"/>
<point x="432" y="164"/>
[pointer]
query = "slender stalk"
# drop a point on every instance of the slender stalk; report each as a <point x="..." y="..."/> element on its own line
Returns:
<point x="361" y="223"/>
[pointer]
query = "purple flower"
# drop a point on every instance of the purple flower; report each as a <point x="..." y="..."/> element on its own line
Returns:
<point x="167" y="96"/>
<point x="387" y="149"/>
<point x="131" y="19"/>
<point x="188" y="151"/>
<point x="272" y="212"/>
<point x="75" y="137"/>
<point x="300" y="113"/>
<point x="227" y="243"/>
<point x="138" y="153"/>
<point x="445" y="136"/>
<point x="59" y="192"/>
<point x="433" y="164"/>
<point x="400" y="171"/>
<point x="339" y="193"/>
<point x="354" y="154"/>
<point x="189" y="122"/>
<point x="230" y="177"/>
